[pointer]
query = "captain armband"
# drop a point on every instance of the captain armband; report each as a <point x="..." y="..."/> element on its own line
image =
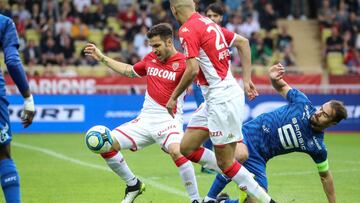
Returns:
<point x="323" y="166"/>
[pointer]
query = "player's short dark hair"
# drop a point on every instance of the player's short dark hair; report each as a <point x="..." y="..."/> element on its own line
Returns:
<point x="164" y="30"/>
<point x="340" y="110"/>
<point x="216" y="8"/>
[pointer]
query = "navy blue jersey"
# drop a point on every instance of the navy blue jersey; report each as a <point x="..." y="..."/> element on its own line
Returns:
<point x="286" y="129"/>
<point x="9" y="43"/>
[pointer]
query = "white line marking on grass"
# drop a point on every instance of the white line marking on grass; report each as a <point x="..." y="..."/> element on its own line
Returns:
<point x="153" y="183"/>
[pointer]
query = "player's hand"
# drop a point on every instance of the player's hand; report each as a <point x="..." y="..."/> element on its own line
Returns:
<point x="250" y="90"/>
<point x="93" y="51"/>
<point x="171" y="104"/>
<point x="27" y="115"/>
<point x="276" y="72"/>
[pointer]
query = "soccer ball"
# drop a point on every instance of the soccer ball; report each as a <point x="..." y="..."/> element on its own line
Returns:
<point x="98" y="139"/>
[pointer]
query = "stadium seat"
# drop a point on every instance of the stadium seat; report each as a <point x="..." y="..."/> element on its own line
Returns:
<point x="32" y="34"/>
<point x="114" y="23"/>
<point x="335" y="63"/>
<point x="326" y="32"/>
<point x="96" y="36"/>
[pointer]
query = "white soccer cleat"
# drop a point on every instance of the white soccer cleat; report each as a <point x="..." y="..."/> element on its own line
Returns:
<point x="131" y="192"/>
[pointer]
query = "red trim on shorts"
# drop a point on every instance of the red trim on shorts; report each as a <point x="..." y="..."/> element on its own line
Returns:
<point x="198" y="128"/>
<point x="233" y="169"/>
<point x="108" y="155"/>
<point x="196" y="155"/>
<point x="127" y="136"/>
<point x="172" y="133"/>
<point x="240" y="141"/>
<point x="180" y="161"/>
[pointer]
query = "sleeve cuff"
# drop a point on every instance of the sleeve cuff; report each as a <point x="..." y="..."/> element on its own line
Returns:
<point x="323" y="166"/>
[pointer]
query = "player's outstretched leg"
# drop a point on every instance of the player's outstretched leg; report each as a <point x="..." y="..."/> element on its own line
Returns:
<point x="186" y="171"/>
<point x="134" y="187"/>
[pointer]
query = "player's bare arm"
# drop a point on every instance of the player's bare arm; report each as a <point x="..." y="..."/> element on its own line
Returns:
<point x="192" y="69"/>
<point x="123" y="69"/>
<point x="276" y="73"/>
<point x="243" y="47"/>
<point x="328" y="185"/>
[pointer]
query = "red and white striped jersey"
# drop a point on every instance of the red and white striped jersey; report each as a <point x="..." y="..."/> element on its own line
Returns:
<point x="206" y="41"/>
<point x="162" y="79"/>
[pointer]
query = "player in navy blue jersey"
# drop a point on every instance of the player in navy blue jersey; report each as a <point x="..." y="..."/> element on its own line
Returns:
<point x="295" y="127"/>
<point x="9" y="44"/>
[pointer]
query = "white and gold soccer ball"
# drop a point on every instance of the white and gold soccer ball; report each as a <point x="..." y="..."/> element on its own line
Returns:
<point x="98" y="139"/>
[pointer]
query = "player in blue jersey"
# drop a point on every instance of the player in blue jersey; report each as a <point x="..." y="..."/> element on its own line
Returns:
<point x="8" y="172"/>
<point x="295" y="127"/>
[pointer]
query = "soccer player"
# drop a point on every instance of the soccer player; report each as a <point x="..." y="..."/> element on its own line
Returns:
<point x="206" y="45"/>
<point x="163" y="67"/>
<point x="9" y="43"/>
<point x="295" y="127"/>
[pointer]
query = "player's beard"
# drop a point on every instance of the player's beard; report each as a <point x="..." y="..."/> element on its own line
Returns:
<point x="314" y="122"/>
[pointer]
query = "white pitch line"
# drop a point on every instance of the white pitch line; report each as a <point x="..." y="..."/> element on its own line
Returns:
<point x="159" y="186"/>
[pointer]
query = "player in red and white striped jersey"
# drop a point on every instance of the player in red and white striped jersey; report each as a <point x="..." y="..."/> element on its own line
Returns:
<point x="164" y="67"/>
<point x="206" y="44"/>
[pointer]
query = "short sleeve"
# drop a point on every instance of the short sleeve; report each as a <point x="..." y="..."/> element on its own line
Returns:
<point x="229" y="36"/>
<point x="320" y="156"/>
<point x="189" y="42"/>
<point x="295" y="96"/>
<point x="140" y="68"/>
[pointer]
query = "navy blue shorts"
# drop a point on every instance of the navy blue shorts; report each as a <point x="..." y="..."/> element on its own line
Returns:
<point x="5" y="130"/>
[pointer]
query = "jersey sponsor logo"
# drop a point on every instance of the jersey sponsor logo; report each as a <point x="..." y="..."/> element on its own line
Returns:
<point x="154" y="60"/>
<point x="166" y="129"/>
<point x="4" y="136"/>
<point x="161" y="73"/>
<point x="216" y="134"/>
<point x="317" y="143"/>
<point x="291" y="138"/>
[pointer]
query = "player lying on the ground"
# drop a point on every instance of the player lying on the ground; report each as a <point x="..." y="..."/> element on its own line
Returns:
<point x="163" y="67"/>
<point x="295" y="127"/>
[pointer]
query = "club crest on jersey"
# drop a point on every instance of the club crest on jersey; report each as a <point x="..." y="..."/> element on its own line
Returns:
<point x="154" y="60"/>
<point x="175" y="66"/>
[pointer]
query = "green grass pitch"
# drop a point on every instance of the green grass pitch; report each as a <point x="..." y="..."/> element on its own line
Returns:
<point x="60" y="169"/>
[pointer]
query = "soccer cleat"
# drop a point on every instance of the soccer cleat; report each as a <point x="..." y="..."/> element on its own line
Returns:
<point x="222" y="197"/>
<point x="131" y="192"/>
<point x="208" y="171"/>
<point x="210" y="201"/>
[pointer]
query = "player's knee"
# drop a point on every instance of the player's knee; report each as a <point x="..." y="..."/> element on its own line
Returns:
<point x="184" y="150"/>
<point x="174" y="151"/>
<point x="223" y="164"/>
<point x="241" y="153"/>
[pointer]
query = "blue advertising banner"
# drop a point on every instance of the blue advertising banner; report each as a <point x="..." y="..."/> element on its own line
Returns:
<point x="77" y="113"/>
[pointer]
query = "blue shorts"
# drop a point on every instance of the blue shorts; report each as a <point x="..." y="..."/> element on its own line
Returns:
<point x="5" y="130"/>
<point x="256" y="165"/>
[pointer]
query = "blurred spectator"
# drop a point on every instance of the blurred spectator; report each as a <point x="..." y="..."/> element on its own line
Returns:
<point x="111" y="41"/>
<point x="50" y="52"/>
<point x="248" y="9"/>
<point x="234" y="24"/>
<point x="128" y="17"/>
<point x="299" y="9"/>
<point x="268" y="40"/>
<point x="144" y="49"/>
<point x="4" y="9"/>
<point x="288" y="58"/>
<point x="334" y="43"/>
<point x="35" y="16"/>
<point x="268" y="18"/>
<point x="85" y="16"/>
<point x="24" y="15"/>
<point x="351" y="24"/>
<point x="110" y="9"/>
<point x="81" y="4"/>
<point x="50" y="9"/>
<point x="68" y="9"/>
<point x="249" y="26"/>
<point x="79" y="30"/>
<point x="66" y="48"/>
<point x="20" y="26"/>
<point x="260" y="54"/>
<point x="352" y="61"/>
<point x="99" y="17"/>
<point x="326" y="14"/>
<point x="31" y="53"/>
<point x="63" y="24"/>
<point x="123" y="5"/>
<point x="140" y="37"/>
<point x="144" y="19"/>
<point x="284" y="39"/>
<point x="357" y="42"/>
<point x="342" y="15"/>
<point x="128" y="52"/>
<point x="232" y="5"/>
